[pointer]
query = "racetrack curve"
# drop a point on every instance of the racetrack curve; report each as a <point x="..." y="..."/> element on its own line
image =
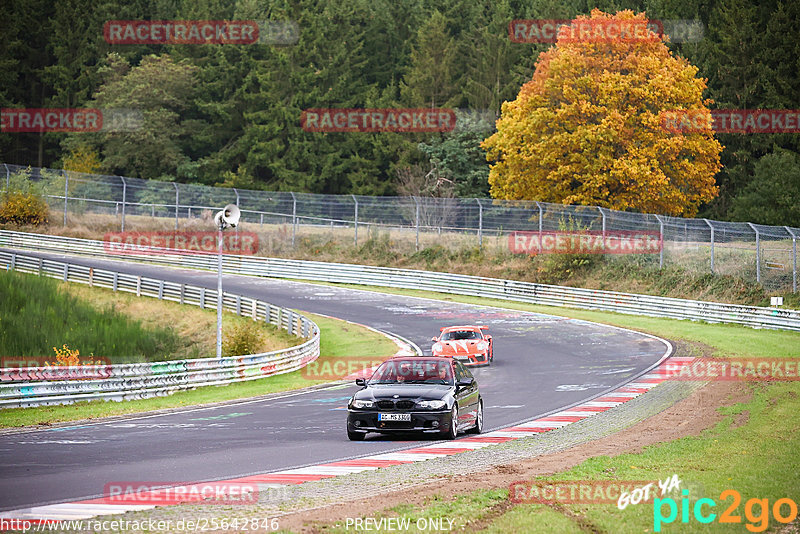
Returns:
<point x="542" y="364"/>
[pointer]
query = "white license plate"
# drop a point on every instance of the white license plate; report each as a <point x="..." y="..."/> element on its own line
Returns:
<point x="394" y="417"/>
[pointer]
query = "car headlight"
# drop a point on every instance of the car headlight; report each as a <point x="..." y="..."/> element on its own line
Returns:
<point x="432" y="404"/>
<point x="437" y="347"/>
<point x="362" y="404"/>
<point x="482" y="345"/>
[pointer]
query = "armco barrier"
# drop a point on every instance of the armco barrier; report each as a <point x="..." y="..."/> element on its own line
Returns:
<point x="39" y="386"/>
<point x="712" y="312"/>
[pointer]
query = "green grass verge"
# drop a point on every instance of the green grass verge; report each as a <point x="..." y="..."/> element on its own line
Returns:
<point x="339" y="339"/>
<point x="753" y="450"/>
<point x="37" y="315"/>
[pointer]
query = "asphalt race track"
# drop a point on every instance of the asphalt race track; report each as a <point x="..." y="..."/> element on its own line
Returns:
<point x="542" y="364"/>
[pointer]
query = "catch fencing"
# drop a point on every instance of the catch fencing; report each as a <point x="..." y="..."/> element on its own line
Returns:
<point x="38" y="386"/>
<point x="765" y="254"/>
<point x="712" y="312"/>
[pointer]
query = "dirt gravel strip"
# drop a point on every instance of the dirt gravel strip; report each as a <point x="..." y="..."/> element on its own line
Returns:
<point x="299" y="506"/>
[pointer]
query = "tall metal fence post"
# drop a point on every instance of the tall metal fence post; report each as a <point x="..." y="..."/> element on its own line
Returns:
<point x="294" y="217"/>
<point x="661" y="235"/>
<point x="8" y="177"/>
<point x="236" y="192"/>
<point x="758" y="252"/>
<point x="603" y="214"/>
<point x="355" y="221"/>
<point x="712" y="244"/>
<point x="540" y="226"/>
<point x="66" y="194"/>
<point x="794" y="259"/>
<point x="177" y="203"/>
<point x="480" y="222"/>
<point x="124" y="197"/>
<point x="416" y="222"/>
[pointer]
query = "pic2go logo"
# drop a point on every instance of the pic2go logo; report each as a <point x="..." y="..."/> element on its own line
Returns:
<point x="757" y="521"/>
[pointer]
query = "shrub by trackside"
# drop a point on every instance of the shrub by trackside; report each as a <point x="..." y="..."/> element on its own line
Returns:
<point x="20" y="208"/>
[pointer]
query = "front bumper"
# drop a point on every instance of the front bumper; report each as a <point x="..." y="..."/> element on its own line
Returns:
<point x="433" y="421"/>
<point x="468" y="359"/>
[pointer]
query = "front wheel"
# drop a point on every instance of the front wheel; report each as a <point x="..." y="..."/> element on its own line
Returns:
<point x="478" y="428"/>
<point x="453" y="431"/>
<point x="356" y="436"/>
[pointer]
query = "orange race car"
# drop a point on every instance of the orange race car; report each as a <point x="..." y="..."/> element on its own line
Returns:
<point x="467" y="344"/>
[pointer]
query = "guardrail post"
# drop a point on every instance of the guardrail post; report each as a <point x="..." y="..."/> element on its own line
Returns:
<point x="13" y="265"/>
<point x="661" y="235"/>
<point x="794" y="259"/>
<point x="480" y="222"/>
<point x="355" y="221"/>
<point x="712" y="244"/>
<point x="124" y="194"/>
<point x="294" y="217"/>
<point x="261" y="220"/>
<point x="758" y="252"/>
<point x="66" y="272"/>
<point x="66" y="194"/>
<point x="540" y="226"/>
<point x="115" y="282"/>
<point x="177" y="203"/>
<point x="416" y="222"/>
<point x="203" y="298"/>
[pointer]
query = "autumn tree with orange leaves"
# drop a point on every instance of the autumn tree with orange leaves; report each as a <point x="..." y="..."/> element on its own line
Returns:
<point x="587" y="129"/>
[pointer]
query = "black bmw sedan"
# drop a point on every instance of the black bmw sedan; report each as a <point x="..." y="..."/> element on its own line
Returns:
<point x="416" y="394"/>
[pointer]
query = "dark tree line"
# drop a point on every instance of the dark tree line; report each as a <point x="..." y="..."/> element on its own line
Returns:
<point x="230" y="114"/>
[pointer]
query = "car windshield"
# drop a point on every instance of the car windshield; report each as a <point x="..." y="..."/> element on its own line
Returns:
<point x="461" y="334"/>
<point x="413" y="371"/>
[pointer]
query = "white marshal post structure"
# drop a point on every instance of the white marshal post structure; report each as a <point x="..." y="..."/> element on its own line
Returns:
<point x="229" y="216"/>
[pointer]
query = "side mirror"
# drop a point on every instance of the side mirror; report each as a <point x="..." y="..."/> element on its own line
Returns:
<point x="361" y="382"/>
<point x="465" y="382"/>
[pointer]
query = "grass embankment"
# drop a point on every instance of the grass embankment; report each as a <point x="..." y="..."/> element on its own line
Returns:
<point x="38" y="314"/>
<point x="753" y="450"/>
<point x="685" y="275"/>
<point x="194" y="332"/>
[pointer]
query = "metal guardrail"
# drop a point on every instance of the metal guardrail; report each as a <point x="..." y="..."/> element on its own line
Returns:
<point x="37" y="386"/>
<point x="712" y="312"/>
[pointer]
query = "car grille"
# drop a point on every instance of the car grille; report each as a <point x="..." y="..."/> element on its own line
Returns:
<point x="392" y="405"/>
